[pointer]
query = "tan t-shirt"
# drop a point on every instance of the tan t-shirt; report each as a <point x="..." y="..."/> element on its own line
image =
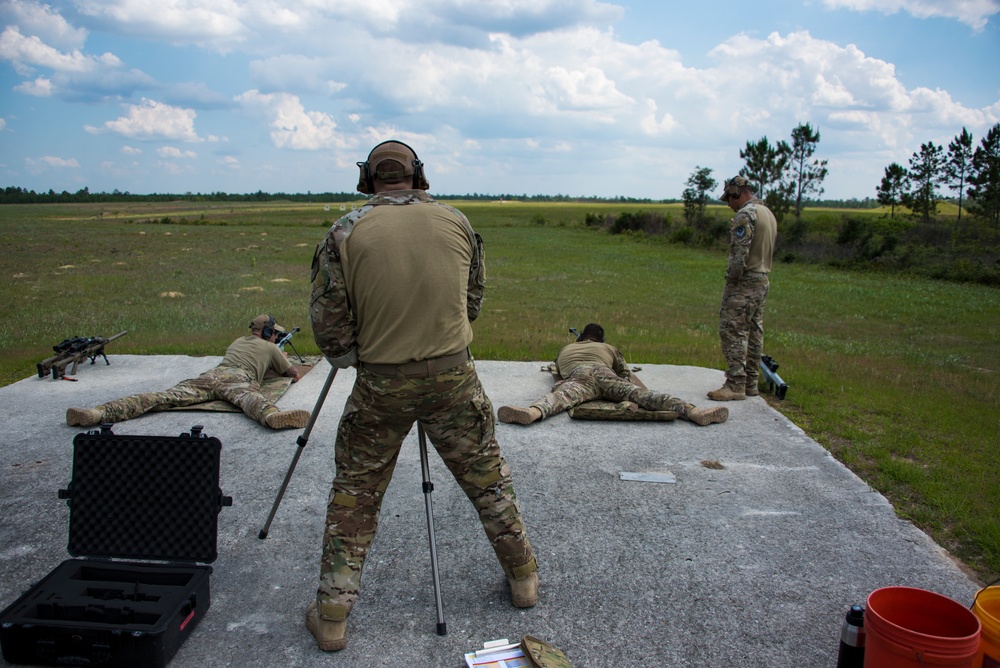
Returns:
<point x="582" y="353"/>
<point x="255" y="356"/>
<point x="406" y="267"/>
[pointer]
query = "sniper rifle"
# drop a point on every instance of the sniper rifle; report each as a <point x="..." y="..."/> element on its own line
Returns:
<point x="73" y="351"/>
<point x="769" y="368"/>
<point x="285" y="339"/>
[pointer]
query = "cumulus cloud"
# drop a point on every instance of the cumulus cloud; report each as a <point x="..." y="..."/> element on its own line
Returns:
<point x="291" y="125"/>
<point x="32" y="18"/>
<point x="40" y="87"/>
<point x="174" y="152"/>
<point x="50" y="161"/>
<point x="975" y="13"/>
<point x="43" y="40"/>
<point x="27" y="51"/>
<point x="3" y="123"/>
<point x="152" y="120"/>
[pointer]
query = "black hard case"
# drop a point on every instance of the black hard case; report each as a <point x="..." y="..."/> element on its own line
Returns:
<point x="130" y="498"/>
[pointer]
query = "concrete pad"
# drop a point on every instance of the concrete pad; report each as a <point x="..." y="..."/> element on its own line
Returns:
<point x="753" y="564"/>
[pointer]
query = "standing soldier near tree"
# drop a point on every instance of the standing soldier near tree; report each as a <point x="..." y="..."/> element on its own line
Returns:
<point x="741" y="319"/>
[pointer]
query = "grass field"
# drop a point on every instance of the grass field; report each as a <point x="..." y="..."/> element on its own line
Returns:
<point x="896" y="376"/>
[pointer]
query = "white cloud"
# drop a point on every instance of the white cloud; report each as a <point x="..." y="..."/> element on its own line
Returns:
<point x="174" y="152"/>
<point x="131" y="150"/>
<point x="292" y="126"/>
<point x="152" y="120"/>
<point x="3" y="123"/>
<point x="29" y="50"/>
<point x="40" y="87"/>
<point x="51" y="161"/>
<point x="33" y="18"/>
<point x="975" y="13"/>
<point x="179" y="21"/>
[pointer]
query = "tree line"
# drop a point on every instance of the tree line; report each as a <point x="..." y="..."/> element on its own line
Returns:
<point x="972" y="173"/>
<point x="785" y="174"/>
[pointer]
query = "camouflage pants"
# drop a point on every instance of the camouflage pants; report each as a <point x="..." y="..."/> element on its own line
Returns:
<point x="228" y="383"/>
<point x="741" y="329"/>
<point x="597" y="381"/>
<point x="458" y="419"/>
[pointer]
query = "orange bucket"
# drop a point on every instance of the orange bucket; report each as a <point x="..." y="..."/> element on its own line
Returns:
<point x="987" y="608"/>
<point x="907" y="627"/>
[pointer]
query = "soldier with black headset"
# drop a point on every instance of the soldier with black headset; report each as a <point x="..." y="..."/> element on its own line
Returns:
<point x="236" y="379"/>
<point x="396" y="284"/>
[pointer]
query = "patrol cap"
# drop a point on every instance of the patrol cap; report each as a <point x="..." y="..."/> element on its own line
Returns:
<point x="258" y="323"/>
<point x="732" y="187"/>
<point x="392" y="150"/>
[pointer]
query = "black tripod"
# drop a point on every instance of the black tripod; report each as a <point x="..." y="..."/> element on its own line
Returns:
<point x="428" y="487"/>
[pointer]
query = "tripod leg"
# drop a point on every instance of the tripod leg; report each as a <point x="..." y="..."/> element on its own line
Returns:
<point x="442" y="627"/>
<point x="301" y="441"/>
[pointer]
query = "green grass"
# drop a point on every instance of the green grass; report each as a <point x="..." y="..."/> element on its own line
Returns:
<point x="897" y="376"/>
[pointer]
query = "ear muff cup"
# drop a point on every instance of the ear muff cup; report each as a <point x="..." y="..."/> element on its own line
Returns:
<point x="267" y="331"/>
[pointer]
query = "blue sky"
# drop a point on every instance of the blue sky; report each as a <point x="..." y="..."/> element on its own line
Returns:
<point x="573" y="97"/>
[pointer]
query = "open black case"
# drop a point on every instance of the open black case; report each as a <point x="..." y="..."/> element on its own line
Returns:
<point x="143" y="524"/>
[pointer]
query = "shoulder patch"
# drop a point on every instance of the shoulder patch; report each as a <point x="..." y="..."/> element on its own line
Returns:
<point x="740" y="231"/>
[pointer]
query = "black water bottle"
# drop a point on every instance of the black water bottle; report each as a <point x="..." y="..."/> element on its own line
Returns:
<point x="852" y="639"/>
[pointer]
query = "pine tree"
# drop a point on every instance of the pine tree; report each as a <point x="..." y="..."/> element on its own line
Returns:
<point x="892" y="191"/>
<point x="807" y="176"/>
<point x="958" y="165"/>
<point x="984" y="179"/>
<point x="926" y="174"/>
<point x="766" y="168"/>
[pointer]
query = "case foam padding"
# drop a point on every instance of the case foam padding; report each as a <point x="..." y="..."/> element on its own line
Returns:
<point x="145" y="497"/>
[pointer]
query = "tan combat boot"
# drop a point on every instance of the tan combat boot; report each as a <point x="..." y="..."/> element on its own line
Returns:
<point x="519" y="415"/>
<point x="728" y="392"/>
<point x="524" y="591"/>
<point x="706" y="416"/>
<point x="751" y="389"/>
<point x="83" y="417"/>
<point x="331" y="636"/>
<point x="286" y="419"/>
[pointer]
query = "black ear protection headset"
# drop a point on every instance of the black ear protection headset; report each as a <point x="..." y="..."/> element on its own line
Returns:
<point x="366" y="181"/>
<point x="267" y="331"/>
<point x="732" y="188"/>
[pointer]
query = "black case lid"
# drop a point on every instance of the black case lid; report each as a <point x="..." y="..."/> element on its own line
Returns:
<point x="145" y="497"/>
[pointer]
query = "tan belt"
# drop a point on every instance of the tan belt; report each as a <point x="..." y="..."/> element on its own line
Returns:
<point x="420" y="368"/>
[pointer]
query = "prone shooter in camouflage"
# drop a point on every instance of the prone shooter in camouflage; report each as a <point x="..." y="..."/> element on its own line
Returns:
<point x="236" y="379"/>
<point x="396" y="284"/>
<point x="592" y="369"/>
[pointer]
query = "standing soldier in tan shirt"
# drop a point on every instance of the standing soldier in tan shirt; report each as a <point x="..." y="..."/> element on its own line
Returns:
<point x="396" y="284"/>
<point x="741" y="319"/>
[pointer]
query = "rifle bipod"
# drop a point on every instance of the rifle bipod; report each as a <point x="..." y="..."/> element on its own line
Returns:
<point x="427" y="486"/>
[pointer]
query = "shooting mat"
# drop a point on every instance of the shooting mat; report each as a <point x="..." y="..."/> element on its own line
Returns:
<point x="609" y="410"/>
<point x="273" y="388"/>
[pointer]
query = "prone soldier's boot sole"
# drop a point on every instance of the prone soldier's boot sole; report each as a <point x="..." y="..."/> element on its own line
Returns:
<point x="516" y="415"/>
<point x="83" y="417"/>
<point x="287" y="419"/>
<point x="707" y="416"/>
